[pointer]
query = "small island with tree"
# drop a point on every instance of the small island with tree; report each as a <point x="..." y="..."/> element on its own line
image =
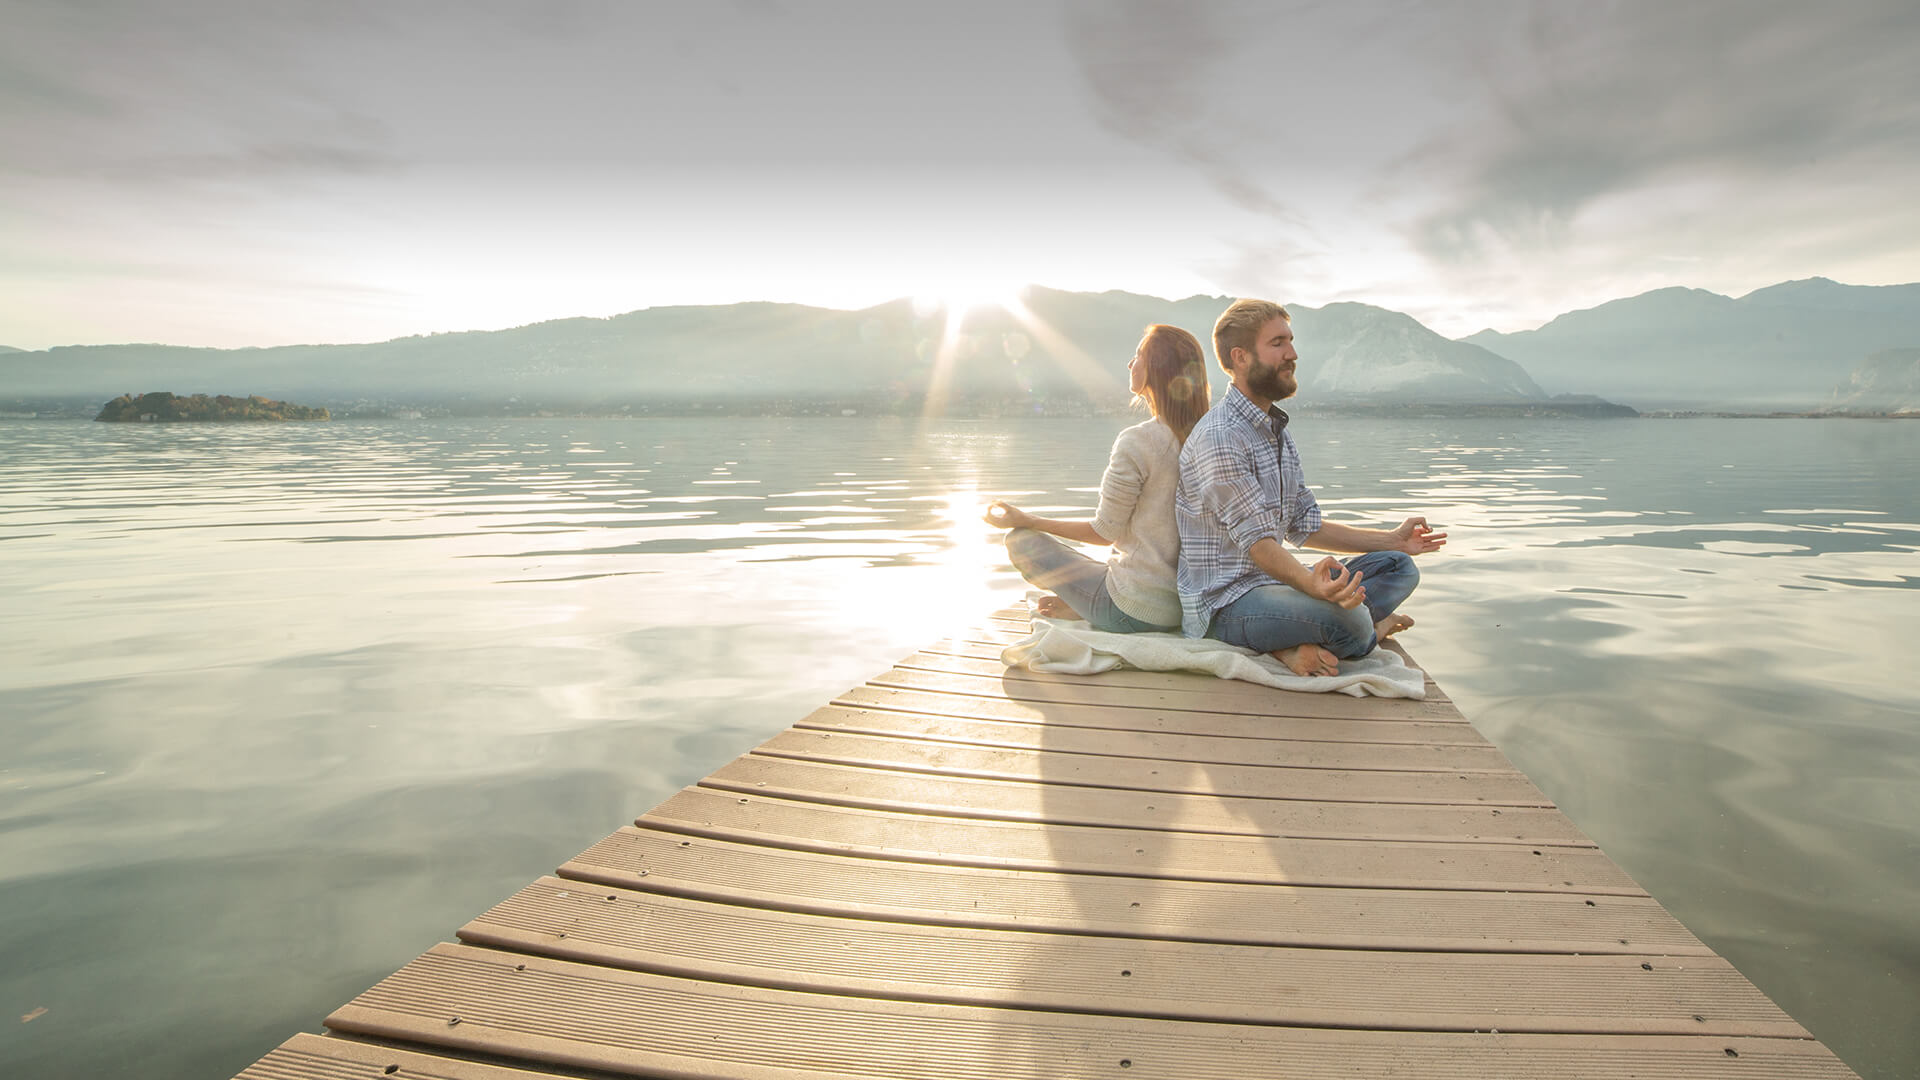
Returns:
<point x="164" y="407"/>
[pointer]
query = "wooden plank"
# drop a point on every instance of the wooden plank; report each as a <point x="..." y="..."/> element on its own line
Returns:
<point x="1175" y="749"/>
<point x="1099" y="690"/>
<point x="1492" y="786"/>
<point x="1411" y="991"/>
<point x="1483" y="787"/>
<point x="1054" y="715"/>
<point x="1191" y="856"/>
<point x="583" y="1016"/>
<point x="1077" y="799"/>
<point x="1162" y="810"/>
<point x="838" y="883"/>
<point x="983" y="635"/>
<point x="315" y="1057"/>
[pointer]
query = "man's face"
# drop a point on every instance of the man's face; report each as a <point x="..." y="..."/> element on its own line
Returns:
<point x="1269" y="373"/>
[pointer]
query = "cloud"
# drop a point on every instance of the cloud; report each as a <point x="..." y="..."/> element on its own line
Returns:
<point x="130" y="94"/>
<point x="612" y="87"/>
<point x="1594" y="100"/>
<point x="271" y="161"/>
<point x="1290" y="111"/>
<point x="1501" y="161"/>
<point x="1142" y="62"/>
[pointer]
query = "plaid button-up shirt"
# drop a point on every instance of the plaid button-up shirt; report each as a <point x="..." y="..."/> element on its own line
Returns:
<point x="1240" y="482"/>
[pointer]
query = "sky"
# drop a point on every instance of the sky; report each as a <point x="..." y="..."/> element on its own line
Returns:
<point x="262" y="172"/>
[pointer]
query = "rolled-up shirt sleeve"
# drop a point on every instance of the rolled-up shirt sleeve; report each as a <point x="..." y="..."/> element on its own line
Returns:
<point x="1305" y="515"/>
<point x="1230" y="492"/>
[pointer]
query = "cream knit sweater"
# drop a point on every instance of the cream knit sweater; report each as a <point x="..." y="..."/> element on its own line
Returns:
<point x="1136" y="513"/>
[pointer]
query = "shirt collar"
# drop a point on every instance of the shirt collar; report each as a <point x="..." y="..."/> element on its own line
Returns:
<point x="1274" y="420"/>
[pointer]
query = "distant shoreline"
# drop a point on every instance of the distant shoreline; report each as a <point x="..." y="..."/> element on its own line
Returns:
<point x="1705" y="414"/>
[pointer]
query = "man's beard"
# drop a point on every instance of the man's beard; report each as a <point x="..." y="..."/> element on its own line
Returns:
<point x="1271" y="383"/>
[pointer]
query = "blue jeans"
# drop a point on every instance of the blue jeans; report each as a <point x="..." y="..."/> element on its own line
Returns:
<point x="1082" y="583"/>
<point x="1277" y="617"/>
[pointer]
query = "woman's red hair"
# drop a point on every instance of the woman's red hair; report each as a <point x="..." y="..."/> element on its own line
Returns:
<point x="1176" y="390"/>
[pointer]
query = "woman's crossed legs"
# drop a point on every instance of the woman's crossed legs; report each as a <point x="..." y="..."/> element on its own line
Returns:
<point x="1079" y="583"/>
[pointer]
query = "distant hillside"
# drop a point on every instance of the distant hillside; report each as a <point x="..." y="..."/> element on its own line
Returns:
<point x="1355" y="351"/>
<point x="1073" y="352"/>
<point x="9" y="348"/>
<point x="1885" y="383"/>
<point x="1782" y="347"/>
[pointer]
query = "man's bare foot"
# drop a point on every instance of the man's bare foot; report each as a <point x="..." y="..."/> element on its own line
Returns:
<point x="1052" y="607"/>
<point x="1308" y="660"/>
<point x="1391" y="625"/>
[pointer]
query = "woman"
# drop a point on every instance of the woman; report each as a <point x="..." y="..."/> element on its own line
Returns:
<point x="1134" y="591"/>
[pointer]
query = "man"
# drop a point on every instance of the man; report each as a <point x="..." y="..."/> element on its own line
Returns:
<point x="1241" y="493"/>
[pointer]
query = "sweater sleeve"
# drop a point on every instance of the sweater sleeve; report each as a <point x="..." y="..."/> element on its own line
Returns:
<point x="1120" y="487"/>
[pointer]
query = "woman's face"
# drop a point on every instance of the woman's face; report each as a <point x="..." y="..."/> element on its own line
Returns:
<point x="1137" y="369"/>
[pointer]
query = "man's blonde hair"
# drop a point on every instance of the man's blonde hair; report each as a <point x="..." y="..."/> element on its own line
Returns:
<point x="1239" y="325"/>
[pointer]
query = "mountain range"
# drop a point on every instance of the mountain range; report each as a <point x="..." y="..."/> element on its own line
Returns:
<point x="1886" y="382"/>
<point x="1793" y="346"/>
<point x="1797" y="346"/>
<point x="1062" y="351"/>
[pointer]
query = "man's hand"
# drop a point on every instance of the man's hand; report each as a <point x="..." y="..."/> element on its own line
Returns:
<point x="1331" y="581"/>
<point x="1004" y="515"/>
<point x="1415" y="538"/>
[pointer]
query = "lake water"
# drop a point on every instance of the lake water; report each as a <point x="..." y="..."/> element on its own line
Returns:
<point x="283" y="705"/>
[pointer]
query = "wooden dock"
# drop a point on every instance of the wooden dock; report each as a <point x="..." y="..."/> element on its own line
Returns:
<point x="964" y="871"/>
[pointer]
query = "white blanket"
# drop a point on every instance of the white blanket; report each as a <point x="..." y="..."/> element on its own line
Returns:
<point x="1074" y="648"/>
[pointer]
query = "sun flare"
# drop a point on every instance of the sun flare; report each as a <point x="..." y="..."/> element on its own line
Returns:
<point x="961" y="299"/>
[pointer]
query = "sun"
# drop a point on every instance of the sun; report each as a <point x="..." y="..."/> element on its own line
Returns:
<point x="959" y="299"/>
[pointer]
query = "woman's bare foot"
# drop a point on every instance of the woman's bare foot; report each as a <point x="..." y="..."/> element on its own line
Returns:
<point x="1052" y="607"/>
<point x="1308" y="660"/>
<point x="1391" y="625"/>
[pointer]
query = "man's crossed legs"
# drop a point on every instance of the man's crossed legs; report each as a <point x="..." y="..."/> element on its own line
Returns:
<point x="1311" y="636"/>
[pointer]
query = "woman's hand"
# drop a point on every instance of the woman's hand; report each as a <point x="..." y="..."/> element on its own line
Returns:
<point x="1002" y="515"/>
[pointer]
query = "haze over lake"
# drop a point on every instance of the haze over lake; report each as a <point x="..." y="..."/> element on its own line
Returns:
<point x="286" y="704"/>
